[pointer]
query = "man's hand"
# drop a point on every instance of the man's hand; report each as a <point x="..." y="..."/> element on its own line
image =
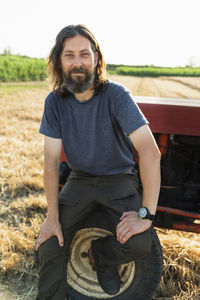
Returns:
<point x="130" y="225"/>
<point x="50" y="227"/>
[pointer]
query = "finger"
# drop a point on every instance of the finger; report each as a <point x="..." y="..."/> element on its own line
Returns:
<point x="123" y="233"/>
<point x="125" y="214"/>
<point x="121" y="227"/>
<point x="40" y="240"/>
<point x="60" y="238"/>
<point x="126" y="237"/>
<point x="118" y="231"/>
<point x="38" y="244"/>
<point x="123" y="224"/>
<point x="121" y="230"/>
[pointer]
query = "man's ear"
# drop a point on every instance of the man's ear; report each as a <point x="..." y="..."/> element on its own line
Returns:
<point x="96" y="58"/>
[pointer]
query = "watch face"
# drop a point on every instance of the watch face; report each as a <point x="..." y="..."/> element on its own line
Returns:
<point x="142" y="212"/>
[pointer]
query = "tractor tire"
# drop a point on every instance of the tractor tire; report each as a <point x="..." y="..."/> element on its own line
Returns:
<point x="139" y="279"/>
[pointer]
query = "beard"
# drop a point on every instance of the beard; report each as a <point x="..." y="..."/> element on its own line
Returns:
<point x="81" y="83"/>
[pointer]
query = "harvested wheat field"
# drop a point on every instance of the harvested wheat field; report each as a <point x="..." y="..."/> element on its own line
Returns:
<point x="22" y="203"/>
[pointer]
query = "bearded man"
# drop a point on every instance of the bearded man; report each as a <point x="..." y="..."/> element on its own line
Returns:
<point x="98" y="124"/>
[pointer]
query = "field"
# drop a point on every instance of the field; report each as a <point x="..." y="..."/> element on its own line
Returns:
<point x="172" y="87"/>
<point x="22" y="203"/>
<point x="23" y="68"/>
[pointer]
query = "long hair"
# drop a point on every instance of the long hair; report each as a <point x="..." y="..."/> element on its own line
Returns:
<point x="54" y="62"/>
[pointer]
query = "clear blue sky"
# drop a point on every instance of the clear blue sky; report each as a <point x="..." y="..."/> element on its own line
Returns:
<point x="135" y="32"/>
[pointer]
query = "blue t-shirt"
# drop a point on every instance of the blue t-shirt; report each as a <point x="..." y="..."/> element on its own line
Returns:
<point x="95" y="132"/>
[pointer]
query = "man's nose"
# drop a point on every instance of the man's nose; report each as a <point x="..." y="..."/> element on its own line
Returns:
<point x="77" y="61"/>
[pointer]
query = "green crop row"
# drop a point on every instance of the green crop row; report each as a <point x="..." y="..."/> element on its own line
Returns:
<point x="22" y="68"/>
<point x="151" y="71"/>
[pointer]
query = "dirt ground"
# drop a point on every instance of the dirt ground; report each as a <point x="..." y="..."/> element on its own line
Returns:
<point x="22" y="203"/>
<point x="171" y="87"/>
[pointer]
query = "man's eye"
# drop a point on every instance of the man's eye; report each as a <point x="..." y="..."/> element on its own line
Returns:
<point x="68" y="55"/>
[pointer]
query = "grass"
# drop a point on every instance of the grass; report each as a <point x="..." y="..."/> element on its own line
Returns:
<point x="12" y="88"/>
<point x="23" y="207"/>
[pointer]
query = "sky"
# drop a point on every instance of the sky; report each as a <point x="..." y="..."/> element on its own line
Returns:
<point x="130" y="32"/>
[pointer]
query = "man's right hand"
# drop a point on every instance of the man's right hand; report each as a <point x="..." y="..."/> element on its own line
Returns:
<point x="50" y="227"/>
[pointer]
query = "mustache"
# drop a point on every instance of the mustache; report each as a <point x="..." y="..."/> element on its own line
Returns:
<point x="78" y="70"/>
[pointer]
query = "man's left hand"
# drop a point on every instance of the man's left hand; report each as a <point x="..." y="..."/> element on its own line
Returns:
<point x="130" y="225"/>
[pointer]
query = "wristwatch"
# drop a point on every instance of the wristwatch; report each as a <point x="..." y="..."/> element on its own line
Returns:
<point x="145" y="214"/>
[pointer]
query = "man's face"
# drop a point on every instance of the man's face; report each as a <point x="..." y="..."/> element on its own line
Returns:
<point x="78" y="63"/>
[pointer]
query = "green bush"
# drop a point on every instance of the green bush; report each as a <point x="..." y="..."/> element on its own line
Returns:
<point x="22" y="68"/>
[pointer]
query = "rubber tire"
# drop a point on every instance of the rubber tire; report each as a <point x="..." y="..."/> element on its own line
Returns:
<point x="148" y="270"/>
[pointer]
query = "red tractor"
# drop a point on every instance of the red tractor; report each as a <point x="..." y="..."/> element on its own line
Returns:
<point x="175" y="124"/>
<point x="176" y="127"/>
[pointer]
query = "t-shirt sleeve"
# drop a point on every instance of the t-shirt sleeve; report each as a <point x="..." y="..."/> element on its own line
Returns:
<point x="128" y="114"/>
<point x="50" y="125"/>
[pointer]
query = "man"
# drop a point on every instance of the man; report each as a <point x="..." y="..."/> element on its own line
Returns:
<point x="98" y="123"/>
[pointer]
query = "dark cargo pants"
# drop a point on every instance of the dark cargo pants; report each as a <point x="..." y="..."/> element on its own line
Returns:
<point x="82" y="192"/>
